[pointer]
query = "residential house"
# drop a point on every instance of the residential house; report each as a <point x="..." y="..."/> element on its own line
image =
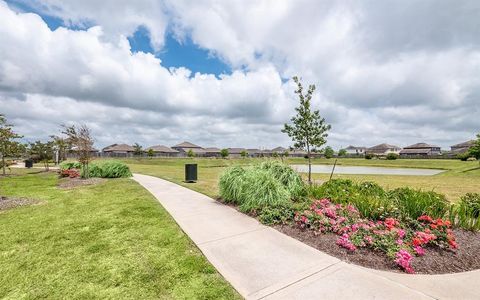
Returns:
<point x="118" y="150"/>
<point x="212" y="152"/>
<point x="461" y="148"/>
<point x="297" y="153"/>
<point x="185" y="147"/>
<point x="160" y="150"/>
<point x="254" y="152"/>
<point x="383" y="149"/>
<point x="420" y="149"/>
<point x="236" y="152"/>
<point x="353" y="150"/>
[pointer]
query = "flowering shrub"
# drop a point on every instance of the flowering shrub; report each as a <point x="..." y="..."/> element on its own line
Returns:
<point x="70" y="173"/>
<point x="398" y="240"/>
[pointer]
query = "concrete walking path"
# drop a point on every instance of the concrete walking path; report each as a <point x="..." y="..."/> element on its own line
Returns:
<point x="262" y="263"/>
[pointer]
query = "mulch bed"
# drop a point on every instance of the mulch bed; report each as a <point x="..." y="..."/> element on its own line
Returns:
<point x="70" y="183"/>
<point x="435" y="261"/>
<point x="11" y="202"/>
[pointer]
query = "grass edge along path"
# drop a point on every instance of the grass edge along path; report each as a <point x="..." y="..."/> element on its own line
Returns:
<point x="112" y="240"/>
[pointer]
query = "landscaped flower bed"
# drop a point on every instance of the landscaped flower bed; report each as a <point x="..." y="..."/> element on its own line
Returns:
<point x="402" y="229"/>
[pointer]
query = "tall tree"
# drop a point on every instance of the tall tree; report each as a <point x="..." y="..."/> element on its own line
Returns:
<point x="81" y="139"/>
<point x="475" y="149"/>
<point x="308" y="129"/>
<point x="224" y="153"/>
<point x="7" y="140"/>
<point x="137" y="149"/>
<point x="61" y="145"/>
<point x="328" y="152"/>
<point x="42" y="152"/>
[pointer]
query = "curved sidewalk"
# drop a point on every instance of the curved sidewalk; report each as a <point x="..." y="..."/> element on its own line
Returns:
<point x="261" y="262"/>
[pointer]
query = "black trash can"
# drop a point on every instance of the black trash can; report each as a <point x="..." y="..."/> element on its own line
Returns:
<point x="28" y="163"/>
<point x="190" y="172"/>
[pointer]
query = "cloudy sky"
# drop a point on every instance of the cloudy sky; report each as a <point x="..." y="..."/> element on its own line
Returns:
<point x="218" y="73"/>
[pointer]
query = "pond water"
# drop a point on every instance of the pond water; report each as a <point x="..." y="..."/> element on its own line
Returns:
<point x="327" y="169"/>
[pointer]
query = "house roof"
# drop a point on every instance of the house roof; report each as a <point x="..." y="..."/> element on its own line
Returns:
<point x="416" y="151"/>
<point x="212" y="150"/>
<point x="162" y="149"/>
<point x="355" y="148"/>
<point x="118" y="148"/>
<point x="279" y="149"/>
<point x="236" y="150"/>
<point x="466" y="144"/>
<point x="421" y="145"/>
<point x="383" y="146"/>
<point x="186" y="145"/>
<point x="254" y="151"/>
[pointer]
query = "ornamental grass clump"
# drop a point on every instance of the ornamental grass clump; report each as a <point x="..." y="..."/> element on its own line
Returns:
<point x="231" y="184"/>
<point x="287" y="176"/>
<point x="466" y="213"/>
<point x="265" y="188"/>
<point x="261" y="189"/>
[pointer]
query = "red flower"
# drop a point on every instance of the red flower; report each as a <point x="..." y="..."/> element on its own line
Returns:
<point x="425" y="218"/>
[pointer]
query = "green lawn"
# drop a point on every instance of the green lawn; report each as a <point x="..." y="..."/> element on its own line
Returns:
<point x="109" y="241"/>
<point x="459" y="177"/>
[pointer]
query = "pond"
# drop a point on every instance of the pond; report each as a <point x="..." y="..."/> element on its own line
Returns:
<point x="327" y="169"/>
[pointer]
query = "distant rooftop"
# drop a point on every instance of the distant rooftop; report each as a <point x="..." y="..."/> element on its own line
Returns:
<point x="186" y="145"/>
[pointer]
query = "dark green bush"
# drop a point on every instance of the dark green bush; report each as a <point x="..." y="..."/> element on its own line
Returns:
<point x="369" y="156"/>
<point x="466" y="213"/>
<point x="392" y="156"/>
<point x="413" y="203"/>
<point x="337" y="190"/>
<point x="108" y="169"/>
<point x="463" y="156"/>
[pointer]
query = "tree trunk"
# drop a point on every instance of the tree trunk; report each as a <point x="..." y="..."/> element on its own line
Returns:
<point x="309" y="165"/>
<point x="3" y="164"/>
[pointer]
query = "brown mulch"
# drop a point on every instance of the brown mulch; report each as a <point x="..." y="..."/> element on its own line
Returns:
<point x="11" y="202"/>
<point x="70" y="183"/>
<point x="435" y="261"/>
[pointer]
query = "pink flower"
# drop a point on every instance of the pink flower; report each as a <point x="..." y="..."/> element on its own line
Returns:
<point x="419" y="250"/>
<point x="403" y="259"/>
<point x="345" y="242"/>
<point x="401" y="233"/>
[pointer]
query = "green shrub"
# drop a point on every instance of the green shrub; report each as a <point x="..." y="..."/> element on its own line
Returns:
<point x="337" y="190"/>
<point x="368" y="197"/>
<point x="231" y="184"/>
<point x="68" y="165"/>
<point x="369" y="156"/>
<point x="413" y="203"/>
<point x="466" y="213"/>
<point x="463" y="156"/>
<point x="108" y="169"/>
<point x="392" y="156"/>
<point x="261" y="189"/>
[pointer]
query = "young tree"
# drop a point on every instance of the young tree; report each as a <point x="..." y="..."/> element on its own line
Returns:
<point x="308" y="129"/>
<point x="150" y="153"/>
<point x="61" y="145"/>
<point x="7" y="140"/>
<point x="224" y="153"/>
<point x="342" y="152"/>
<point x="80" y="137"/>
<point x="42" y="152"/>
<point x="244" y="153"/>
<point x="275" y="154"/>
<point x="475" y="149"/>
<point x="329" y="152"/>
<point x="190" y="153"/>
<point x="137" y="149"/>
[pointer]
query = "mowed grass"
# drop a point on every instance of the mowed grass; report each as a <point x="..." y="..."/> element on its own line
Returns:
<point x="458" y="178"/>
<point x="109" y="241"/>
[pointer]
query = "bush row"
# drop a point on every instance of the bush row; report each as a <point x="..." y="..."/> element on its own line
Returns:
<point x="406" y="204"/>
<point x="102" y="169"/>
